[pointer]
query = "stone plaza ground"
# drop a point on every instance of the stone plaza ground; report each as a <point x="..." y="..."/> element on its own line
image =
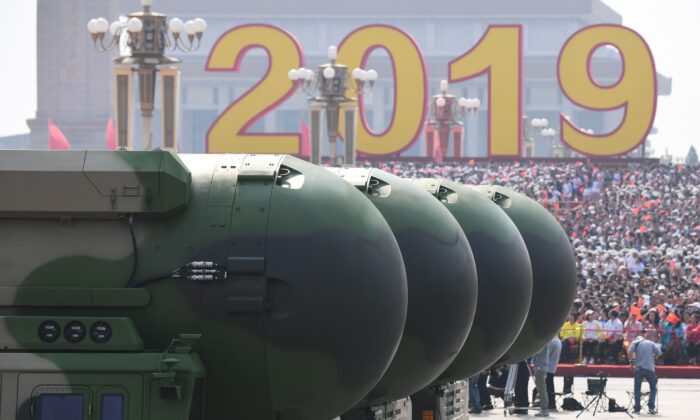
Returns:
<point x="678" y="399"/>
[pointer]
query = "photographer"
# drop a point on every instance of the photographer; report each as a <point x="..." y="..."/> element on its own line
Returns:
<point x="643" y="353"/>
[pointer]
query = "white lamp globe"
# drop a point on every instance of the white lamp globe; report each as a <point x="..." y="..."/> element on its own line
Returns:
<point x="134" y="25"/>
<point x="92" y="26"/>
<point x="102" y="25"/>
<point x="200" y="25"/>
<point x="332" y="52"/>
<point x="357" y="73"/>
<point x="146" y="3"/>
<point x="476" y="102"/>
<point x="440" y="102"/>
<point x="464" y="102"/>
<point x="190" y="27"/>
<point x="372" y="75"/>
<point x="308" y="74"/>
<point x="545" y="122"/>
<point x="329" y="72"/>
<point x="114" y="28"/>
<point x="443" y="85"/>
<point x="176" y="25"/>
<point x="293" y="75"/>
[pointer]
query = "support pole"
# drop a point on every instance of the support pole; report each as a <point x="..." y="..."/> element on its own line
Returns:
<point x="315" y="118"/>
<point x="123" y="107"/>
<point x="170" y="106"/>
<point x="350" y="111"/>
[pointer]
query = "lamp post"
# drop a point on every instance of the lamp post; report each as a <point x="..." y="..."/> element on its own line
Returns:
<point x="146" y="36"/>
<point x="533" y="127"/>
<point x="443" y="118"/>
<point x="326" y="90"/>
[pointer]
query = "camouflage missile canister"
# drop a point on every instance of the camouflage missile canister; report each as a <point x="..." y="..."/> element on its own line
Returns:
<point x="441" y="275"/>
<point x="117" y="262"/>
<point x="504" y="272"/>
<point x="553" y="270"/>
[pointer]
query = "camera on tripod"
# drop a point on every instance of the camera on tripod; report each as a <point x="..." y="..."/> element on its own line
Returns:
<point x="597" y="386"/>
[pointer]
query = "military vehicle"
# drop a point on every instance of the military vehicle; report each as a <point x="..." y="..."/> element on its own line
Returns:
<point x="143" y="285"/>
<point x="147" y="285"/>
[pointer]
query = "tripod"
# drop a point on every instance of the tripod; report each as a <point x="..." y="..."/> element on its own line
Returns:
<point x="596" y="387"/>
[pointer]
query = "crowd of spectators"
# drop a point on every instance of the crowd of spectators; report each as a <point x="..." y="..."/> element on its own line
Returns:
<point x="634" y="229"/>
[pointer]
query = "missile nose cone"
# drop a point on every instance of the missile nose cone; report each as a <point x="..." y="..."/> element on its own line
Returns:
<point x="339" y="306"/>
<point x="504" y="276"/>
<point x="441" y="275"/>
<point x="553" y="269"/>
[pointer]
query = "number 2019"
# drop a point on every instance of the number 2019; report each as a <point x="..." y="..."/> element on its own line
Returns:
<point x="498" y="54"/>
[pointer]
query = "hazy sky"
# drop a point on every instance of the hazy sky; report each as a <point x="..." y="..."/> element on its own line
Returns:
<point x="671" y="27"/>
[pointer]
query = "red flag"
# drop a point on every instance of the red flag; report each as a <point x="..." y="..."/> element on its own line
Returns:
<point x="471" y="162"/>
<point x="111" y="135"/>
<point x="437" y="147"/>
<point x="57" y="141"/>
<point x="305" y="142"/>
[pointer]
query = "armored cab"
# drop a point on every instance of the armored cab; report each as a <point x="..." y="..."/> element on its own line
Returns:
<point x="553" y="270"/>
<point x="220" y="286"/>
<point x="442" y="282"/>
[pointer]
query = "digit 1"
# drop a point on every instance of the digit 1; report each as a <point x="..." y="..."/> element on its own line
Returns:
<point x="498" y="54"/>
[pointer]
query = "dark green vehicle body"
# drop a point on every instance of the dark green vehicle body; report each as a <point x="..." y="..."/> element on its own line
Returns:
<point x="442" y="281"/>
<point x="281" y="267"/>
<point x="553" y="270"/>
<point x="155" y="286"/>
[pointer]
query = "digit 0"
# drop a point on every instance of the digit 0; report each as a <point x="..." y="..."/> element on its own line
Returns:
<point x="228" y="133"/>
<point x="410" y="86"/>
<point x="635" y="91"/>
<point x="499" y="55"/>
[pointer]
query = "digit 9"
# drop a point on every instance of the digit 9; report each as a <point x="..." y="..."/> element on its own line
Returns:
<point x="635" y="91"/>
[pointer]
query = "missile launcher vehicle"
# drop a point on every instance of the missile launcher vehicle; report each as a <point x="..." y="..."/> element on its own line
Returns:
<point x="150" y="285"/>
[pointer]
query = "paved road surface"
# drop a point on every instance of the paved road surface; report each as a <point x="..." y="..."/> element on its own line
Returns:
<point x="679" y="399"/>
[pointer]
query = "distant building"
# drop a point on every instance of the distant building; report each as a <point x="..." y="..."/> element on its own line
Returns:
<point x="444" y="30"/>
<point x="18" y="141"/>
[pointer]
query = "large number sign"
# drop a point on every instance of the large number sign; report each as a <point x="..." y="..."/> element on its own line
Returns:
<point x="498" y="55"/>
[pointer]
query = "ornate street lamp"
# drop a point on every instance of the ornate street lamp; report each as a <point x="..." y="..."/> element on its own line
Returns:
<point x="326" y="89"/>
<point x="532" y="128"/>
<point x="146" y="36"/>
<point x="445" y="110"/>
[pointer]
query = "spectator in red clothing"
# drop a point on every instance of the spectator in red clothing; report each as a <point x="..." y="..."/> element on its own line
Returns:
<point x="651" y="326"/>
<point x="692" y="337"/>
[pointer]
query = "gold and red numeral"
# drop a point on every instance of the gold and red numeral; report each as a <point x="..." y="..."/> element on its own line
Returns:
<point x="410" y="86"/>
<point x="635" y="91"/>
<point x="498" y="54"/>
<point x="228" y="133"/>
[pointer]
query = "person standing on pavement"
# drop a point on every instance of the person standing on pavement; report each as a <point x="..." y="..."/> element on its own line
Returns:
<point x="554" y="348"/>
<point x="474" y="399"/>
<point x="541" y="365"/>
<point x="643" y="353"/>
